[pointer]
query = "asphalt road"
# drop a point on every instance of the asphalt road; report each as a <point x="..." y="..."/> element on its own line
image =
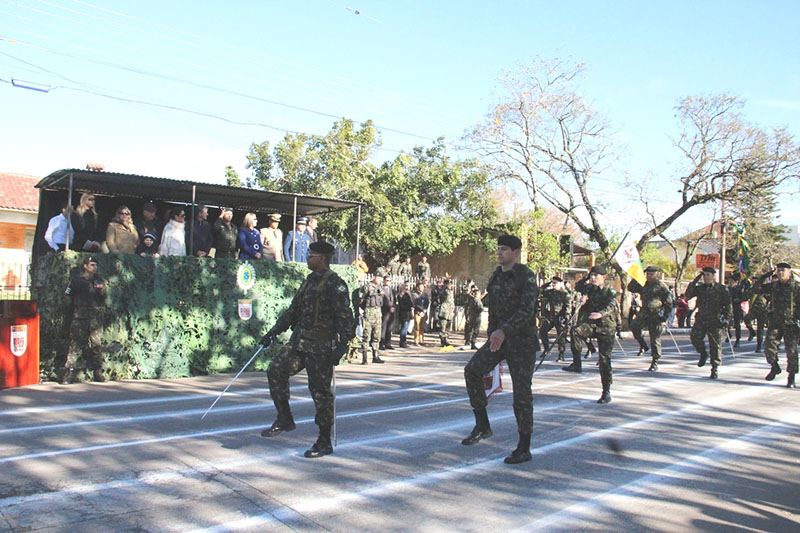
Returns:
<point x="674" y="451"/>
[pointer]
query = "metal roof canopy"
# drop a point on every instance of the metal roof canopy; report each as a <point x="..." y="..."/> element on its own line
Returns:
<point x="149" y="188"/>
<point x="172" y="190"/>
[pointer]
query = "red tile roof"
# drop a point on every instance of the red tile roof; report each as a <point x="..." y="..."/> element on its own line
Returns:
<point x="17" y="191"/>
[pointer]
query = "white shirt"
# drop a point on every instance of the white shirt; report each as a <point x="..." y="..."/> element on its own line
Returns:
<point x="57" y="232"/>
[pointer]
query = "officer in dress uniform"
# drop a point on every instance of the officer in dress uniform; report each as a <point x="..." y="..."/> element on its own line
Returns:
<point x="322" y="324"/>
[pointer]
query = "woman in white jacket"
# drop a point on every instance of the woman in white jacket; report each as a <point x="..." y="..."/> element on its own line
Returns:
<point x="173" y="241"/>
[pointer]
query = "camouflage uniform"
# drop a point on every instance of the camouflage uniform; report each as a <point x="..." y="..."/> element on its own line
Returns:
<point x="511" y="300"/>
<point x="657" y="302"/>
<point x="447" y="307"/>
<point x="86" y="330"/>
<point x="758" y="311"/>
<point x="472" y="327"/>
<point x="393" y="267"/>
<point x="601" y="300"/>
<point x="712" y="316"/>
<point x="320" y="317"/>
<point x="371" y="300"/>
<point x="555" y="313"/>
<point x="405" y="271"/>
<point x="783" y="320"/>
<point x="737" y="293"/>
<point x="423" y="270"/>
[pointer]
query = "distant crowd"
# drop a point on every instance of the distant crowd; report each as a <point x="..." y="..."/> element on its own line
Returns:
<point x="79" y="229"/>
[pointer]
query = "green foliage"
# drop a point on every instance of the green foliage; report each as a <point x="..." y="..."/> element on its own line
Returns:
<point x="232" y="177"/>
<point x="169" y="317"/>
<point x="543" y="250"/>
<point x="418" y="202"/>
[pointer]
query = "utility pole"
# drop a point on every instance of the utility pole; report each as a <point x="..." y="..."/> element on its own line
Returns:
<point x="723" y="229"/>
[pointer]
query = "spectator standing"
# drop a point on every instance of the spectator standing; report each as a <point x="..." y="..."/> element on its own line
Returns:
<point x="361" y="265"/>
<point x="405" y="312"/>
<point x="85" y="225"/>
<point x="121" y="235"/>
<point x="59" y="234"/>
<point x="311" y="229"/>
<point x="436" y="304"/>
<point x="682" y="310"/>
<point x="200" y="239"/>
<point x="295" y="248"/>
<point x="173" y="240"/>
<point x="424" y="268"/>
<point x="446" y="310"/>
<point x="86" y="291"/>
<point x="249" y="238"/>
<point x="225" y="235"/>
<point x="405" y="270"/>
<point x="148" y="246"/>
<point x="421" y="302"/>
<point x="272" y="239"/>
<point x="387" y="313"/>
<point x="149" y="223"/>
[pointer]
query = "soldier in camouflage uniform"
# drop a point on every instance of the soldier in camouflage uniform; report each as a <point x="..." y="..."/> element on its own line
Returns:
<point x="473" y="311"/>
<point x="447" y="306"/>
<point x="512" y="294"/>
<point x="405" y="270"/>
<point x="555" y="313"/>
<point x="599" y="314"/>
<point x="784" y="320"/>
<point x="371" y="301"/>
<point x="322" y="325"/>
<point x="737" y="290"/>
<point x="713" y="314"/>
<point x="86" y="292"/>
<point x="758" y="312"/>
<point x="393" y="266"/>
<point x="657" y="302"/>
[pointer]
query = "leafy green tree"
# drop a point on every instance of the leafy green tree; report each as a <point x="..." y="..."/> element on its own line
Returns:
<point x="232" y="177"/>
<point x="756" y="213"/>
<point x="542" y="249"/>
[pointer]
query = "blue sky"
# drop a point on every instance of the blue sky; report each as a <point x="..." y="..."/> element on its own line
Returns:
<point x="421" y="68"/>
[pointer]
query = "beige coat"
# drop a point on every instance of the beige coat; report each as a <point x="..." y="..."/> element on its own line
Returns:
<point x="272" y="242"/>
<point x="121" y="239"/>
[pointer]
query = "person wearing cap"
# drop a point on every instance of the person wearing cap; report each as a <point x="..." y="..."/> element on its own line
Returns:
<point x="447" y="307"/>
<point x="148" y="246"/>
<point x="784" y="319"/>
<point x="599" y="313"/>
<point x="472" y="316"/>
<point x="712" y="317"/>
<point x="198" y="234"/>
<point x="148" y="223"/>
<point x="272" y="239"/>
<point x="86" y="292"/>
<point x="295" y="247"/>
<point x="555" y="313"/>
<point x="226" y="235"/>
<point x="657" y="301"/>
<point x="322" y="324"/>
<point x="512" y="296"/>
<point x="371" y="302"/>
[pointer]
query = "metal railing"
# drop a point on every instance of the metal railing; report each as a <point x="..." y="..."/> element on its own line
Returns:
<point x="15" y="281"/>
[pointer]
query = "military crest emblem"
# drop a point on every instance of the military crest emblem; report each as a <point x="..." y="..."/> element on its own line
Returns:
<point x="245" y="309"/>
<point x="19" y="340"/>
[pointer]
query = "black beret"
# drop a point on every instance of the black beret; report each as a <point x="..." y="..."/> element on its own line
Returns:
<point x="652" y="268"/>
<point x="556" y="278"/>
<point x="89" y="259"/>
<point x="598" y="269"/>
<point x="448" y="281"/>
<point x="783" y="265"/>
<point x="710" y="269"/>
<point x="320" y="247"/>
<point x="509" y="240"/>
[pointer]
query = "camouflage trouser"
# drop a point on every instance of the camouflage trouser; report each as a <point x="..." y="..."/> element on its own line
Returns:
<point x="762" y="322"/>
<point x="472" y="327"/>
<point x="444" y="327"/>
<point x="86" y="332"/>
<point x="711" y="329"/>
<point x="789" y="334"/>
<point x="544" y="330"/>
<point x="605" y="343"/>
<point x="371" y="332"/>
<point x="738" y="316"/>
<point x="654" y="326"/>
<point x="520" y="358"/>
<point x="288" y="362"/>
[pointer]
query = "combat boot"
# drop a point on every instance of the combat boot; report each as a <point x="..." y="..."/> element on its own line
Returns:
<point x="790" y="382"/>
<point x="572" y="367"/>
<point x="605" y="397"/>
<point x="653" y="367"/>
<point x="522" y="452"/>
<point x="714" y="373"/>
<point x="67" y="376"/>
<point x="473" y="346"/>
<point x="560" y="357"/>
<point x="703" y="358"/>
<point x="284" y="421"/>
<point x="736" y="343"/>
<point x="481" y="429"/>
<point x="758" y="347"/>
<point x="377" y="359"/>
<point x="750" y="335"/>
<point x="323" y="445"/>
<point x="774" y="371"/>
<point x="99" y="377"/>
<point x="642" y="350"/>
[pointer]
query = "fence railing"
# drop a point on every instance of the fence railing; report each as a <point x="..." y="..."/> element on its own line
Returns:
<point x="14" y="281"/>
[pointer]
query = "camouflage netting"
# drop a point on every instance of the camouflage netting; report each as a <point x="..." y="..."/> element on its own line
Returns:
<point x="170" y="317"/>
